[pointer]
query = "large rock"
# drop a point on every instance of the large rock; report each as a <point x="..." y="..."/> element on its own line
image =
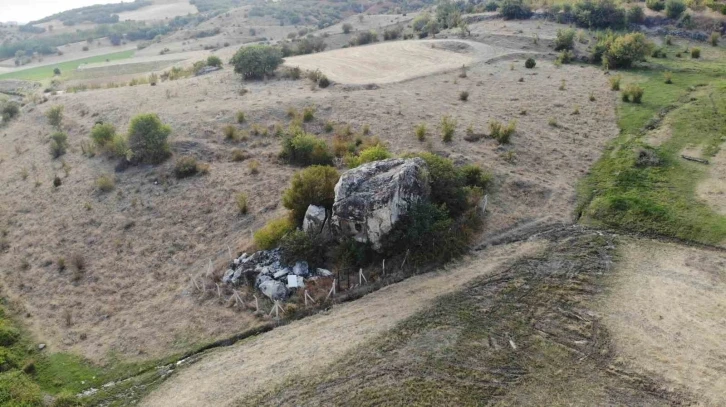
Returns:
<point x="314" y="219"/>
<point x="275" y="290"/>
<point x="371" y="199"/>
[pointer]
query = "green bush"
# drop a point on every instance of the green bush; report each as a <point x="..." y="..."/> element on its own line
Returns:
<point x="620" y="51"/>
<point x="312" y="186"/>
<point x="448" y="127"/>
<point x="429" y="235"/>
<point x="514" y="10"/>
<point x="67" y="399"/>
<point x="674" y="8"/>
<point x="530" y="63"/>
<point x="501" y="133"/>
<point x="421" y="132"/>
<point x="446" y="183"/>
<point x="105" y="183"/>
<point x="308" y="114"/>
<point x="214" y="60"/>
<point x="599" y="14"/>
<point x="364" y="37"/>
<point x="185" y="166"/>
<point x="9" y="111"/>
<point x="713" y="39"/>
<point x="565" y="39"/>
<point x="256" y="61"/>
<point x="419" y="23"/>
<point x="270" y="235"/>
<point x="463" y="96"/>
<point x="148" y="139"/>
<point x="373" y="153"/>
<point x="299" y="245"/>
<point x="8" y="335"/>
<point x="655" y="5"/>
<point x="635" y="15"/>
<point x="18" y="390"/>
<point x="634" y="92"/>
<point x="58" y="144"/>
<point x="475" y="176"/>
<point x="306" y="149"/>
<point x="55" y="115"/>
<point x="102" y="134"/>
<point x="695" y="53"/>
<point x="565" y="57"/>
<point x="347" y="28"/>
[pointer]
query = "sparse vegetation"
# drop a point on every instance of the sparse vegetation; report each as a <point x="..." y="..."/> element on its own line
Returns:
<point x="242" y="203"/>
<point x="420" y="132"/>
<point x="615" y="82"/>
<point x="463" y="96"/>
<point x="448" y="127"/>
<point x="695" y="53"/>
<point x="105" y="183"/>
<point x="501" y="133"/>
<point x="632" y="92"/>
<point x="565" y="39"/>
<point x="9" y="111"/>
<point x="272" y="233"/>
<point x="713" y="39"/>
<point x="55" y="116"/>
<point x="185" y="166"/>
<point x="301" y="148"/>
<point x="214" y="61"/>
<point x="58" y="144"/>
<point x="308" y="114"/>
<point x="241" y="117"/>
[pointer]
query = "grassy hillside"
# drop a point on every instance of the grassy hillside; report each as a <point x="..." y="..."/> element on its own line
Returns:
<point x="656" y="194"/>
<point x="46" y="72"/>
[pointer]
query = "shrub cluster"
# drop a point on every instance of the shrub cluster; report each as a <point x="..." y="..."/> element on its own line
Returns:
<point x="632" y="92"/>
<point x="311" y="186"/>
<point x="364" y="37"/>
<point x="369" y="154"/>
<point x="501" y="133"/>
<point x="9" y="111"/>
<point x="58" y="144"/>
<point x="565" y="39"/>
<point x="514" y="10"/>
<point x="621" y="51"/>
<point x="269" y="236"/>
<point x="301" y="148"/>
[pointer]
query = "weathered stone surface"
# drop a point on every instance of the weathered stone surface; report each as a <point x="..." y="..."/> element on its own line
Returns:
<point x="314" y="220"/>
<point x="275" y="290"/>
<point x="301" y="268"/>
<point x="371" y="199"/>
<point x="323" y="273"/>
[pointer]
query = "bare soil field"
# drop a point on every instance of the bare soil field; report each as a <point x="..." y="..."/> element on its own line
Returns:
<point x="160" y="10"/>
<point x="395" y="61"/>
<point x="666" y="311"/>
<point x="143" y="240"/>
<point x="269" y="359"/>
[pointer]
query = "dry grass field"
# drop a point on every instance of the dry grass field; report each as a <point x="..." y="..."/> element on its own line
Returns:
<point x="160" y="10"/>
<point x="143" y="240"/>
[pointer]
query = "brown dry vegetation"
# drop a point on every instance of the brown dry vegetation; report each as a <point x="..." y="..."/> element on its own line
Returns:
<point x="143" y="240"/>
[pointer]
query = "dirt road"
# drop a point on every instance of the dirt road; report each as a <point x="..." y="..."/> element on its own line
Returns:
<point x="229" y="374"/>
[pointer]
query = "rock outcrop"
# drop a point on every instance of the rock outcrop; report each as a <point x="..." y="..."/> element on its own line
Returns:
<point x="372" y="198"/>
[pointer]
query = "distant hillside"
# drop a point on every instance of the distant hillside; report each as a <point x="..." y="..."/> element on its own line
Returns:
<point x="98" y="13"/>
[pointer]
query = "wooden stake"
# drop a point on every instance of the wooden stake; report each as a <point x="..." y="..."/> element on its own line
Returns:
<point x="257" y="304"/>
<point x="404" y="259"/>
<point x="308" y="297"/>
<point x="219" y="291"/>
<point x="361" y="277"/>
<point x="332" y="291"/>
<point x="230" y="253"/>
<point x="384" y="267"/>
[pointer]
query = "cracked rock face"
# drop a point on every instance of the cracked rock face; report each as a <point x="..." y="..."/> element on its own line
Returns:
<point x="372" y="198"/>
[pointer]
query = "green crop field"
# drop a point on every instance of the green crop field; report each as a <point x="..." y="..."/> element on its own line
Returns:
<point x="46" y="72"/>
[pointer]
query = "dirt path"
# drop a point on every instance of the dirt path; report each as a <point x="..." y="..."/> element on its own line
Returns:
<point x="229" y="374"/>
<point x="667" y="316"/>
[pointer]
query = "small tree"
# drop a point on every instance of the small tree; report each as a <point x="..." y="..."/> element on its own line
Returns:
<point x="102" y="134"/>
<point x="347" y="28"/>
<point x="148" y="139"/>
<point x="56" y="71"/>
<point x="565" y="39"/>
<point x="312" y="186"/>
<point x="55" y="115"/>
<point x="256" y="61"/>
